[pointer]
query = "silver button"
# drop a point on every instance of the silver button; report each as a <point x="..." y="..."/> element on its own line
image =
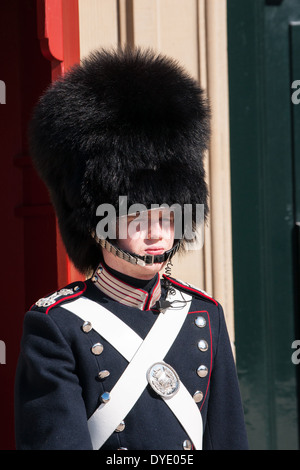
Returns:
<point x="97" y="349"/>
<point x="198" y="396"/>
<point x="103" y="374"/>
<point x="105" y="397"/>
<point x="86" y="327"/>
<point x="187" y="445"/>
<point x="121" y="427"/>
<point x="202" y="345"/>
<point x="122" y="448"/>
<point x="202" y="371"/>
<point x="200" y="322"/>
<point x="94" y="278"/>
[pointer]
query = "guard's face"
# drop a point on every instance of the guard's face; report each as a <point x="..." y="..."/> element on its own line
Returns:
<point x="148" y="233"/>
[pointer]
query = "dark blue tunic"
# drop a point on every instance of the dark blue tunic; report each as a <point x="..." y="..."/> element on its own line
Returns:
<point x="58" y="386"/>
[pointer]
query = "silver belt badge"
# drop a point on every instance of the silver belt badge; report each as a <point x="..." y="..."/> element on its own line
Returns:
<point x="163" y="379"/>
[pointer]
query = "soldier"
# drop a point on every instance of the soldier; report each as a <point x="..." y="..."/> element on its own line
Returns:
<point x="127" y="359"/>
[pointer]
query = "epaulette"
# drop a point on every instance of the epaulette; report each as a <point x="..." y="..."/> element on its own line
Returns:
<point x="189" y="288"/>
<point x="70" y="292"/>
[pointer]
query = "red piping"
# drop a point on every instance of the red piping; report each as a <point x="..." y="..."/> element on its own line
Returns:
<point x="67" y="298"/>
<point x="211" y="357"/>
<point x="64" y="298"/>
<point x="191" y="289"/>
<point x="154" y="288"/>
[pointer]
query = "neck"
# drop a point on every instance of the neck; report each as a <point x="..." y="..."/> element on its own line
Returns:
<point x="145" y="284"/>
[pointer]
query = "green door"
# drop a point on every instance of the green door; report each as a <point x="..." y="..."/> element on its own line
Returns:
<point x="264" y="68"/>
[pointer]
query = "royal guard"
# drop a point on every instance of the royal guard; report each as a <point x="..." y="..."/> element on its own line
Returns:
<point x="130" y="358"/>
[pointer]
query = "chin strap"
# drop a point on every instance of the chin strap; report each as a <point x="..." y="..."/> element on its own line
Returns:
<point x="147" y="260"/>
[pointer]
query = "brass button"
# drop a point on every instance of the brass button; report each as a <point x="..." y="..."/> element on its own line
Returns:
<point x="103" y="374"/>
<point x="105" y="397"/>
<point x="198" y="396"/>
<point x="97" y="349"/>
<point x="121" y="427"/>
<point x="187" y="445"/>
<point x="86" y="327"/>
<point x="202" y="345"/>
<point x="202" y="371"/>
<point x="200" y="322"/>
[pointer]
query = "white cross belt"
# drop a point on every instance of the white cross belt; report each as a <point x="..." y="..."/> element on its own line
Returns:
<point x="141" y="354"/>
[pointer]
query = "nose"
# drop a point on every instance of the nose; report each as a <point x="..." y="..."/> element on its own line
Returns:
<point x="155" y="230"/>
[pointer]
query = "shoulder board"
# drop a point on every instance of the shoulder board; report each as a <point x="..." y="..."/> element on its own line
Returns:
<point x="190" y="289"/>
<point x="70" y="292"/>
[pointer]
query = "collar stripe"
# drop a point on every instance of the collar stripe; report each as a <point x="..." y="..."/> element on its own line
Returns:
<point x="117" y="289"/>
<point x="121" y="299"/>
<point x="123" y="292"/>
<point x="122" y="285"/>
<point x="119" y="294"/>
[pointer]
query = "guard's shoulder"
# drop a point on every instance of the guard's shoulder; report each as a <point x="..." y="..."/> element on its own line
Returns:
<point x="54" y="299"/>
<point x="189" y="288"/>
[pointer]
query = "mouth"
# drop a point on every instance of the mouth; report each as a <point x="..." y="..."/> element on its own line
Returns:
<point x="155" y="251"/>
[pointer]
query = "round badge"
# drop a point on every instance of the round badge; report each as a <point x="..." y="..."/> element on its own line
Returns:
<point x="163" y="379"/>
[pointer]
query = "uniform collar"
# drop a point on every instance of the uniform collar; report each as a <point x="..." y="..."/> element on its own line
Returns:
<point x="127" y="290"/>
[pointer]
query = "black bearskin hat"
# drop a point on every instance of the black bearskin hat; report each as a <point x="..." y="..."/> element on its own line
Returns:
<point x="126" y="122"/>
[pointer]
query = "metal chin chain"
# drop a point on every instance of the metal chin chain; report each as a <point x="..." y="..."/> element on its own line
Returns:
<point x="147" y="260"/>
<point x="162" y="304"/>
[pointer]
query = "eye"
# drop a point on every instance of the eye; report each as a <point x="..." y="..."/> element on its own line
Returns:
<point x="167" y="218"/>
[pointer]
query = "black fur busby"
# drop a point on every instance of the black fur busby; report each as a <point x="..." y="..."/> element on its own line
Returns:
<point x="125" y="122"/>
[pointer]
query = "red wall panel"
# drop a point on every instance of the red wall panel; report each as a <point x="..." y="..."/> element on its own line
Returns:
<point x="33" y="260"/>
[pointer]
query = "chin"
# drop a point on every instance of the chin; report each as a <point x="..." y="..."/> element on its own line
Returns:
<point x="134" y="270"/>
<point x="149" y="271"/>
